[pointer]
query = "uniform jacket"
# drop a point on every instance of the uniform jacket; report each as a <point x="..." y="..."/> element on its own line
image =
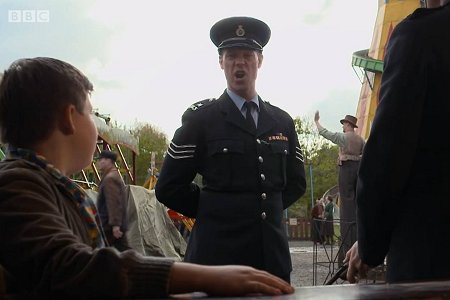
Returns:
<point x="45" y="245"/>
<point x="248" y="180"/>
<point x="405" y="166"/>
<point x="112" y="201"/>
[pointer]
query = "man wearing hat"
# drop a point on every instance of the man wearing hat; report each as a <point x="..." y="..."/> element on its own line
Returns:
<point x="351" y="148"/>
<point x="112" y="201"/>
<point x="246" y="151"/>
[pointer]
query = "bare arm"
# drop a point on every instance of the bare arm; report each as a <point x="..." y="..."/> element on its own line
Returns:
<point x="337" y="138"/>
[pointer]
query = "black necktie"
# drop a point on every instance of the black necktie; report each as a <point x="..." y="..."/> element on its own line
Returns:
<point x="248" y="116"/>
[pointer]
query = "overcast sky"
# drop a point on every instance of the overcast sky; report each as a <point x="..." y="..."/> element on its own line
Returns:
<point x="150" y="60"/>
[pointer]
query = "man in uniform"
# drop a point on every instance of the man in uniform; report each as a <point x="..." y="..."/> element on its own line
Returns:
<point x="403" y="198"/>
<point x="248" y="154"/>
<point x="351" y="147"/>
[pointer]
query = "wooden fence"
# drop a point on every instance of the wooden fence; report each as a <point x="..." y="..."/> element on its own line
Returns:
<point x="298" y="228"/>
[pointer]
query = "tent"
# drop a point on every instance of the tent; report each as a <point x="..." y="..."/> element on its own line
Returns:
<point x="150" y="230"/>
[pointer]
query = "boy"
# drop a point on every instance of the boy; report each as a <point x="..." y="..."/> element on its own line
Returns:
<point x="51" y="239"/>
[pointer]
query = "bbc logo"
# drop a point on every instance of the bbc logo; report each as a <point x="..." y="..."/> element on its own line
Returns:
<point x="28" y="16"/>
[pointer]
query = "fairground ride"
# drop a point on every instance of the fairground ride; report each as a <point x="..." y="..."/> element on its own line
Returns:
<point x="368" y="64"/>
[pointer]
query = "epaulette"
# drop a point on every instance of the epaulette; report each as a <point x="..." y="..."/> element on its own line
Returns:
<point x="201" y="104"/>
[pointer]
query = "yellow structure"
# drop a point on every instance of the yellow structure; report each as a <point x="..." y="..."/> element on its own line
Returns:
<point x="390" y="13"/>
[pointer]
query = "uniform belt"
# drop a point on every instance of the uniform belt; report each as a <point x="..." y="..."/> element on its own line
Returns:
<point x="346" y="157"/>
<point x="349" y="160"/>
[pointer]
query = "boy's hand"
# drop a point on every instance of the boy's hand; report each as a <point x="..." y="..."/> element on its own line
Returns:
<point x="242" y="280"/>
<point x="230" y="280"/>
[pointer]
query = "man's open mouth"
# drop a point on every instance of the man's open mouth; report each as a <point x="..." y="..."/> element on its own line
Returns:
<point x="239" y="74"/>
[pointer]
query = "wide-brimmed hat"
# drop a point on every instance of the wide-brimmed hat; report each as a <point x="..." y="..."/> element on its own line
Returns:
<point x="350" y="119"/>
<point x="107" y="154"/>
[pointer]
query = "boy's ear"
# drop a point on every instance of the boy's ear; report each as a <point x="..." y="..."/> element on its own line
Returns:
<point x="66" y="121"/>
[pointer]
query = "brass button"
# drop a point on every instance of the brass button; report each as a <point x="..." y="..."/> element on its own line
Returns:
<point x="225" y="150"/>
<point x="263" y="215"/>
<point x="263" y="196"/>
<point x="263" y="177"/>
<point x="260" y="159"/>
<point x="258" y="141"/>
<point x="285" y="151"/>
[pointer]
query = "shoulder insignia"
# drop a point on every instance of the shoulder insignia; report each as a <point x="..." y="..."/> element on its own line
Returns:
<point x="201" y="104"/>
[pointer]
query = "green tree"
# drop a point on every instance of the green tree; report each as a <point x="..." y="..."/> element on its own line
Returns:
<point x="325" y="169"/>
<point x="151" y="140"/>
<point x="310" y="141"/>
<point x="320" y="165"/>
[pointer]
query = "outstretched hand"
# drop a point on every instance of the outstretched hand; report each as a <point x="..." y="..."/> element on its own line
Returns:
<point x="316" y="116"/>
<point x="228" y="280"/>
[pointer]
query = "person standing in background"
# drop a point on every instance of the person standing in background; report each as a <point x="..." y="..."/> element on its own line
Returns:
<point x="328" y="224"/>
<point x="112" y="201"/>
<point x="316" y="222"/>
<point x="351" y="148"/>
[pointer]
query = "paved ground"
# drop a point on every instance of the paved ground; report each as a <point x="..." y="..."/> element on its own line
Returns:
<point x="311" y="266"/>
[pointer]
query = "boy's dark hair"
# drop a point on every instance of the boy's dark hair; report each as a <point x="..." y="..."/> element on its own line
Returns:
<point x="33" y="94"/>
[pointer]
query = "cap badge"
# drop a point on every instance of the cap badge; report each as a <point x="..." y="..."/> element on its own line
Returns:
<point x="240" y="31"/>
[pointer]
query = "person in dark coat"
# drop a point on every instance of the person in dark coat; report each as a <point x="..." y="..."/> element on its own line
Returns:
<point x="249" y="158"/>
<point x="405" y="165"/>
<point x="316" y="222"/>
<point x="328" y="225"/>
<point x="112" y="201"/>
